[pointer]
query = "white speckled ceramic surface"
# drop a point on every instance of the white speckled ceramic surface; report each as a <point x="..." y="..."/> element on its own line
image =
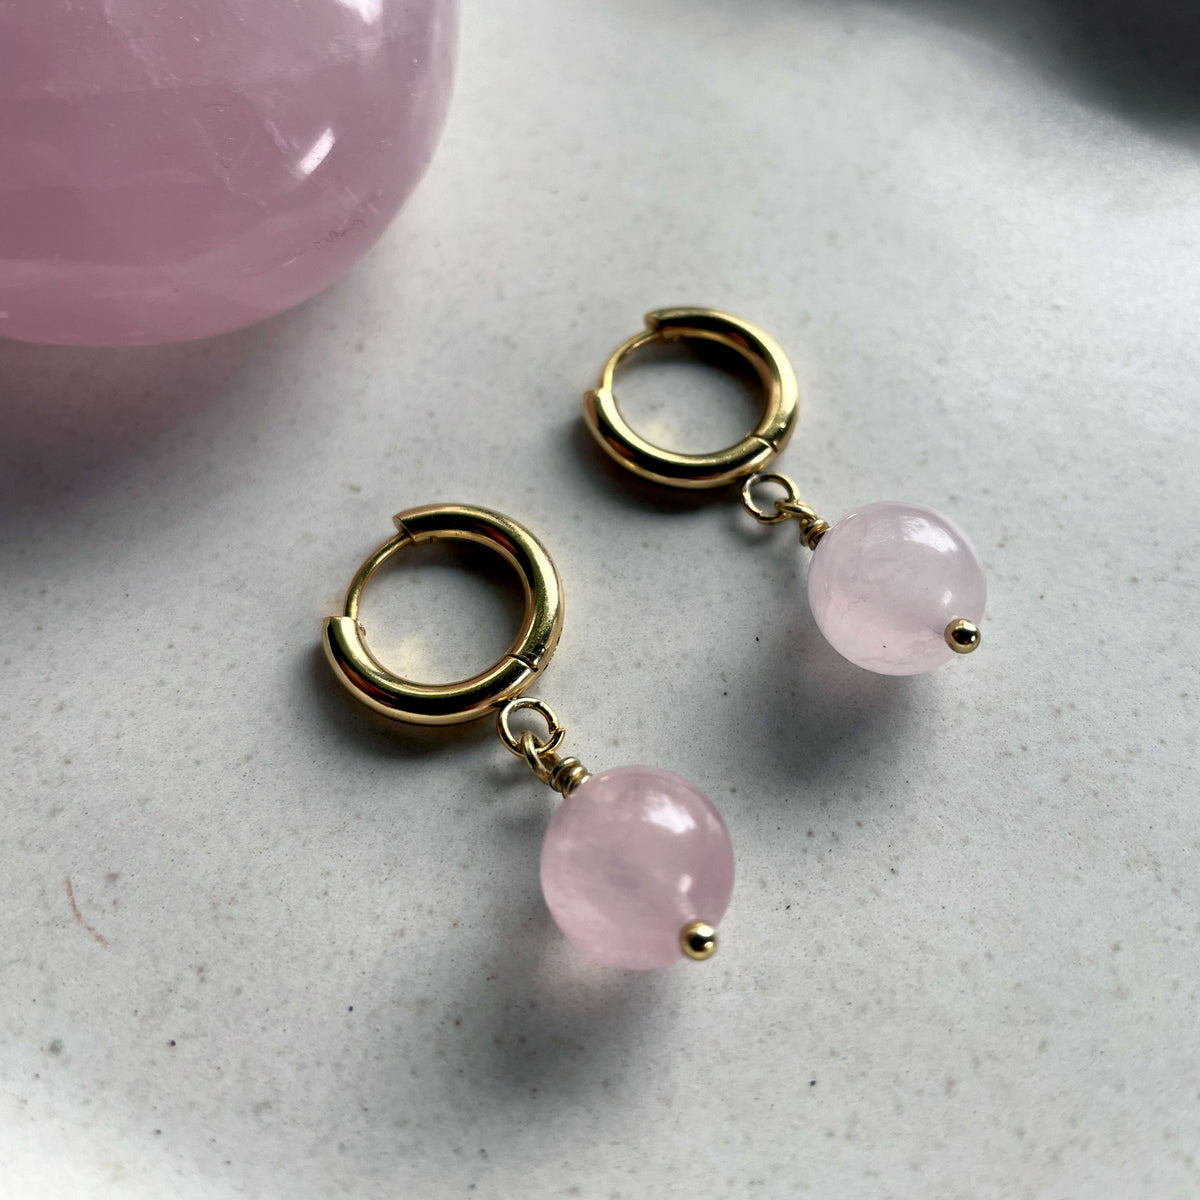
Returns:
<point x="254" y="944"/>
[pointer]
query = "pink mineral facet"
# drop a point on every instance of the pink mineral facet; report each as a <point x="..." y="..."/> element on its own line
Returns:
<point x="885" y="582"/>
<point x="171" y="169"/>
<point x="630" y="858"/>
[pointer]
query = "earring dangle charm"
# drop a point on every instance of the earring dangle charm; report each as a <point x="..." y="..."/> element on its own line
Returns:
<point x="895" y="587"/>
<point x="636" y="865"/>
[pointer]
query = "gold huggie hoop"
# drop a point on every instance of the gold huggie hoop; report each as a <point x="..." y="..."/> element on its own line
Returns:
<point x="751" y="454"/>
<point x="452" y="703"/>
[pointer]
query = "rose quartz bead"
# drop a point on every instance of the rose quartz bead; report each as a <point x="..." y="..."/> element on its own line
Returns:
<point x="885" y="582"/>
<point x="171" y="169"/>
<point x="632" y="856"/>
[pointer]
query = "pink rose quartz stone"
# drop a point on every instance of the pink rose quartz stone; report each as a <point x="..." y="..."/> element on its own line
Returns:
<point x="630" y="858"/>
<point x="885" y="582"/>
<point x="171" y="169"/>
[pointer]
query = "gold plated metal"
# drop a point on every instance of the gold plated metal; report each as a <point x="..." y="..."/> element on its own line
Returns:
<point x="465" y="700"/>
<point x="513" y="740"/>
<point x="786" y="507"/>
<point x="753" y="452"/>
<point x="962" y="636"/>
<point x="564" y="775"/>
<point x="760" y="514"/>
<point x="698" y="940"/>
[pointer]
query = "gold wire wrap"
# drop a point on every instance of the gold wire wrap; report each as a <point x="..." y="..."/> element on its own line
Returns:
<point x="564" y="775"/>
<point x="787" y="507"/>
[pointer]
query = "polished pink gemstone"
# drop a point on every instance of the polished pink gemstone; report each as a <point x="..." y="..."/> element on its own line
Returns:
<point x="885" y="582"/>
<point x="630" y="858"/>
<point x="171" y="169"/>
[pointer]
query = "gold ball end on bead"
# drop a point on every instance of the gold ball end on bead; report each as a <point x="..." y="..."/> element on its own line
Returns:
<point x="698" y="941"/>
<point x="962" y="636"/>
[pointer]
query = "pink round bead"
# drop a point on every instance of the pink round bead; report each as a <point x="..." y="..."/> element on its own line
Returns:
<point x="177" y="168"/>
<point x="632" y="856"/>
<point x="885" y="582"/>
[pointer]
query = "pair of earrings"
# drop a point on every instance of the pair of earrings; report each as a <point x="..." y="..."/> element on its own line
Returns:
<point x="637" y="864"/>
